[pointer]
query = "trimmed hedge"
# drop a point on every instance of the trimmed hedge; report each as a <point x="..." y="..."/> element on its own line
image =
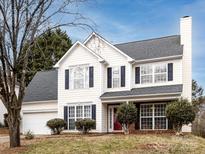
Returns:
<point x="85" y="125"/>
<point x="56" y="125"/>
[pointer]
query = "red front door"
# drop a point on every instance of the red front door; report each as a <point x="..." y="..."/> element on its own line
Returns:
<point x="117" y="125"/>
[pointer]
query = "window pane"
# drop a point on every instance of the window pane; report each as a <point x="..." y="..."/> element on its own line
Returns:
<point x="146" y="79"/>
<point x="160" y="73"/>
<point x="79" y="77"/>
<point x="71" y="111"/>
<point x="116" y="82"/>
<point x="160" y="123"/>
<point x="79" y="72"/>
<point x="87" y="111"/>
<point x="146" y="69"/>
<point x="116" y="77"/>
<point x="146" y="110"/>
<point x="79" y="111"/>
<point x="71" y="124"/>
<point x="160" y="68"/>
<point x="146" y="123"/>
<point x="159" y="109"/>
<point x="160" y="78"/>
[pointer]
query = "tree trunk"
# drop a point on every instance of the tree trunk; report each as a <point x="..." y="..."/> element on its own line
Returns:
<point x="126" y="129"/>
<point x="14" y="128"/>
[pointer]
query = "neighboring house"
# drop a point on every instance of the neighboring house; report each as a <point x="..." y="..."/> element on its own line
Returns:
<point x="3" y="109"/>
<point x="94" y="77"/>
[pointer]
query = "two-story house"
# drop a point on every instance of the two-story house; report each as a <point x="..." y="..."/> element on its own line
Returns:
<point x="94" y="77"/>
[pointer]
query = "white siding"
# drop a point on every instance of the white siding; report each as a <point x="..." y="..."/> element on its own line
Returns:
<point x="76" y="96"/>
<point x="2" y="112"/>
<point x="3" y="109"/>
<point x="80" y="55"/>
<point x="35" y="106"/>
<point x="177" y="74"/>
<point x="113" y="58"/>
<point x="186" y="41"/>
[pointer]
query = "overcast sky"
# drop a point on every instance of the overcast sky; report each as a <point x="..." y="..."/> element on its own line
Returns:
<point x="130" y="20"/>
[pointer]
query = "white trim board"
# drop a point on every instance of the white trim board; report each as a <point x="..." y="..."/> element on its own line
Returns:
<point x="104" y="40"/>
<point x="39" y="111"/>
<point x="71" y="49"/>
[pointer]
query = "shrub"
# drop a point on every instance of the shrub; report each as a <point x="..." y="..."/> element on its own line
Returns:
<point x="198" y="125"/>
<point x="85" y="125"/>
<point x="29" y="135"/>
<point x="180" y="112"/>
<point x="126" y="115"/>
<point x="56" y="125"/>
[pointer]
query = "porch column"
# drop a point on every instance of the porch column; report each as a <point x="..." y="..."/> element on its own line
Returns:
<point x="127" y="102"/>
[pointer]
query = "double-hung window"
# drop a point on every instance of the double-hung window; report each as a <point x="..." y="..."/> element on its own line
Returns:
<point x="156" y="73"/>
<point x="116" y="77"/>
<point x="77" y="112"/>
<point x="146" y="74"/>
<point x="152" y="117"/>
<point x="79" y="78"/>
<point x="160" y="73"/>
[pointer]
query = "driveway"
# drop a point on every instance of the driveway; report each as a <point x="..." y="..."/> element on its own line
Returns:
<point x="4" y="139"/>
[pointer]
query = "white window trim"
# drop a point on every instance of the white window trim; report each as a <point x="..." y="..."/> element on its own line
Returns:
<point x="153" y="73"/>
<point x="75" y="118"/>
<point x="119" y="85"/>
<point x="153" y="117"/>
<point x="71" y="78"/>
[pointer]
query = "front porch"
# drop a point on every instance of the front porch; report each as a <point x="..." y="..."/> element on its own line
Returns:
<point x="151" y="117"/>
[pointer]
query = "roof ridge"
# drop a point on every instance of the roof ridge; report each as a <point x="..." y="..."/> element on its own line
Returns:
<point x="52" y="69"/>
<point x="148" y="39"/>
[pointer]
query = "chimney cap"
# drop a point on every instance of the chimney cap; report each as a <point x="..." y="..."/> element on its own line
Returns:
<point x="185" y="16"/>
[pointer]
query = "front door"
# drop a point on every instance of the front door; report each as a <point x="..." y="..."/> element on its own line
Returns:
<point x="113" y="122"/>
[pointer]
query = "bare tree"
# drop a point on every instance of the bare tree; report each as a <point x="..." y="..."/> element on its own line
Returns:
<point x="21" y="21"/>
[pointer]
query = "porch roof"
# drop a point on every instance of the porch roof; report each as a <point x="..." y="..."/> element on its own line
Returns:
<point x="146" y="91"/>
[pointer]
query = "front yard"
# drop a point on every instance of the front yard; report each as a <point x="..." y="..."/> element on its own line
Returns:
<point x="116" y="144"/>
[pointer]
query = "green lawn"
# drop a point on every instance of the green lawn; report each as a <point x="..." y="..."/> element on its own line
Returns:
<point x="119" y="144"/>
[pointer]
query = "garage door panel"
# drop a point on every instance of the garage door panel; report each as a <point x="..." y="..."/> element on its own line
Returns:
<point x="36" y="122"/>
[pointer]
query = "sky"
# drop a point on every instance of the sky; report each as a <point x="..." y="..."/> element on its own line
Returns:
<point x="130" y="20"/>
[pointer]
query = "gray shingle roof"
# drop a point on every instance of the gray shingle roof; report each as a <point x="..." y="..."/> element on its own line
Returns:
<point x="43" y="87"/>
<point x="152" y="48"/>
<point x="145" y="91"/>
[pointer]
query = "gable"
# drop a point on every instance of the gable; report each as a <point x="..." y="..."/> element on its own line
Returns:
<point x="76" y="47"/>
<point x="78" y="56"/>
<point x="99" y="45"/>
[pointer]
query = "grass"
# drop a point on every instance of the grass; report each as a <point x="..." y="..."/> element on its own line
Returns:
<point x="119" y="144"/>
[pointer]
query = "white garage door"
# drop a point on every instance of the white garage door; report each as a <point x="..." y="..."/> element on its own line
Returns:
<point x="36" y="122"/>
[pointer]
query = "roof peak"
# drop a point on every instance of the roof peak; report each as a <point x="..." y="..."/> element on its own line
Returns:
<point x="148" y="39"/>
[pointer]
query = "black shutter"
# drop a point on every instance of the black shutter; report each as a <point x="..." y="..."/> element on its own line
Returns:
<point x="109" y="77"/>
<point x="66" y="116"/>
<point x="170" y="72"/>
<point x="94" y="114"/>
<point x="67" y="79"/>
<point x="137" y="75"/>
<point x="91" y="76"/>
<point x="122" y="76"/>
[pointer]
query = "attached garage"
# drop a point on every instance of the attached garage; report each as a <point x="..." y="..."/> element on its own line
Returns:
<point x="40" y="103"/>
<point x="36" y="121"/>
